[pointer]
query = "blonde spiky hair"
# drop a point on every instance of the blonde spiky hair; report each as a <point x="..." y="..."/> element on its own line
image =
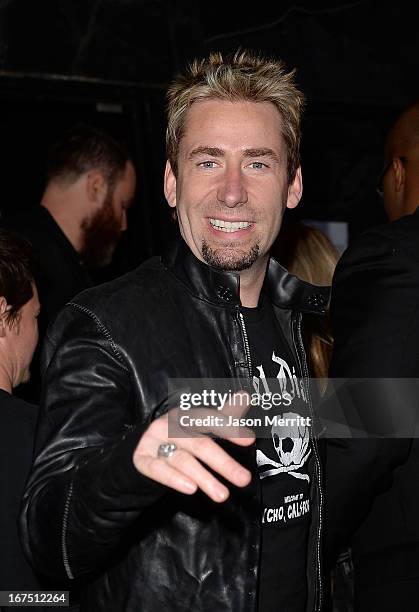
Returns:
<point x="243" y="76"/>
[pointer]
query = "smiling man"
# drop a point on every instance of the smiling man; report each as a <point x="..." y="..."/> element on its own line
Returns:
<point x="152" y="519"/>
<point x="233" y="186"/>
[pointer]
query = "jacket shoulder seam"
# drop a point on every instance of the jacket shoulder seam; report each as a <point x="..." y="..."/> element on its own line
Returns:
<point x="103" y="329"/>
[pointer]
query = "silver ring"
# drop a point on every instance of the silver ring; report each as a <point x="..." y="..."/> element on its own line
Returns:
<point x="166" y="450"/>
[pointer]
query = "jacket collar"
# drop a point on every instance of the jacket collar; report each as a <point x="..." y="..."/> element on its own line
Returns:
<point x="284" y="289"/>
<point x="288" y="291"/>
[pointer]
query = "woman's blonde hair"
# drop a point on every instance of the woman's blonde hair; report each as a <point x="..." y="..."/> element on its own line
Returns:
<point x="243" y="76"/>
<point x="310" y="255"/>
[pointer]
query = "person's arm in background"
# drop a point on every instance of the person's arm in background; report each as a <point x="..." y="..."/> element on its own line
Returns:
<point x="375" y="309"/>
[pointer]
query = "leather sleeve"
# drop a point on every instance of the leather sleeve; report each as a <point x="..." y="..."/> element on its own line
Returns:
<point x="375" y="325"/>
<point x="84" y="491"/>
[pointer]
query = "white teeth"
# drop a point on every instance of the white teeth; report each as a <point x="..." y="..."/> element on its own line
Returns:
<point x="229" y="226"/>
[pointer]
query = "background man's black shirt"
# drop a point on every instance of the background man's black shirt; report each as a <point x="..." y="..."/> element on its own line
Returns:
<point x="17" y="430"/>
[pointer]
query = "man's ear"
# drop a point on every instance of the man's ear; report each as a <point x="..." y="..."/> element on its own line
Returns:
<point x="96" y="187"/>
<point x="399" y="173"/>
<point x="170" y="185"/>
<point x="3" y="314"/>
<point x="295" y="189"/>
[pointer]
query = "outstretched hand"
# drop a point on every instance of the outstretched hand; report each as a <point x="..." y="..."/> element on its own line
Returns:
<point x="185" y="469"/>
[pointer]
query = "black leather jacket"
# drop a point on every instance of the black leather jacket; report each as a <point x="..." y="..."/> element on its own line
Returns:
<point x="87" y="511"/>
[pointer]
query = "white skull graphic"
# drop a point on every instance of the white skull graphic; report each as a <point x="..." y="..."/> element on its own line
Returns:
<point x="290" y="441"/>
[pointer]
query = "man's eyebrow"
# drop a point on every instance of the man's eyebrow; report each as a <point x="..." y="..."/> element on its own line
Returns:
<point x="262" y="153"/>
<point x="212" y="151"/>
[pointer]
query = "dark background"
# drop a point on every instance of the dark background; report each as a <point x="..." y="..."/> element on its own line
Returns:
<point x="108" y="62"/>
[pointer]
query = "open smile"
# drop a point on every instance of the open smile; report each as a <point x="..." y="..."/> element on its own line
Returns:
<point x="229" y="226"/>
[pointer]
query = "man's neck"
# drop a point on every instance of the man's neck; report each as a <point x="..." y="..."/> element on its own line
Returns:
<point x="64" y="216"/>
<point x="5" y="379"/>
<point x="251" y="282"/>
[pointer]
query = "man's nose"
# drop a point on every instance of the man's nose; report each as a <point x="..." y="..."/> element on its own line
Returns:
<point x="232" y="190"/>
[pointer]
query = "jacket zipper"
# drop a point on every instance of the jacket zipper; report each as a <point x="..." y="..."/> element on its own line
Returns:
<point x="64" y="533"/>
<point x="246" y="344"/>
<point x="303" y="364"/>
<point x="250" y="368"/>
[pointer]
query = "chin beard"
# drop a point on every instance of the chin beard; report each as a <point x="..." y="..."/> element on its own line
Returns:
<point x="232" y="261"/>
<point x="101" y="235"/>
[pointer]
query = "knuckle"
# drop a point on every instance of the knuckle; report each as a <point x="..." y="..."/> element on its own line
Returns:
<point x="180" y="459"/>
<point x="154" y="469"/>
<point x="173" y="480"/>
<point x="200" y="445"/>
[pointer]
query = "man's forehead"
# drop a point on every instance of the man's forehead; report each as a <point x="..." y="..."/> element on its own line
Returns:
<point x="230" y="108"/>
<point x="245" y="124"/>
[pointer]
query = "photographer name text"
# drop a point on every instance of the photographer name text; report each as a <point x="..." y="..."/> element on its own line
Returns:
<point x="186" y="420"/>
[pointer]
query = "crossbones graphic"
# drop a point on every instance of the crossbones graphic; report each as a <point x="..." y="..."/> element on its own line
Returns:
<point x="291" y="444"/>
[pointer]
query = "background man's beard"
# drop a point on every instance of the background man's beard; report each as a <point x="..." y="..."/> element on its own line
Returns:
<point x="233" y="262"/>
<point x="101" y="235"/>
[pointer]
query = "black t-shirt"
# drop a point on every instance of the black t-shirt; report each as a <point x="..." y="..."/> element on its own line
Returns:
<point x="61" y="273"/>
<point x="284" y="458"/>
<point x="17" y="429"/>
<point x="17" y="432"/>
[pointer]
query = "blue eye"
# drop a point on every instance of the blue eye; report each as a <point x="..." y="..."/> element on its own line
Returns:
<point x="256" y="165"/>
<point x="207" y="164"/>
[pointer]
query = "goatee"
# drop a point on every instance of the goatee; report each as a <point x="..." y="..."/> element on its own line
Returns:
<point x="229" y="260"/>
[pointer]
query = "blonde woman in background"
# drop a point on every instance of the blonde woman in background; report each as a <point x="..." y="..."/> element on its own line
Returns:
<point x="308" y="253"/>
